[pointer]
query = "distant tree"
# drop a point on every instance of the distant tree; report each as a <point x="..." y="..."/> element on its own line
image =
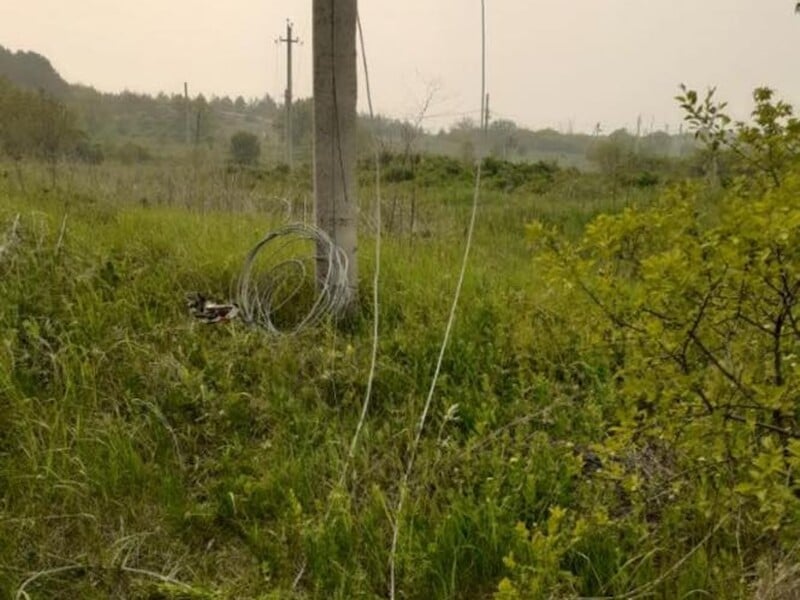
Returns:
<point x="55" y="132"/>
<point x="266" y="105"/>
<point x="225" y="103"/>
<point x="203" y="120"/>
<point x="464" y="125"/>
<point x="131" y="153"/>
<point x="302" y="126"/>
<point x="613" y="154"/>
<point x="467" y="151"/>
<point x="14" y="140"/>
<point x="658" y="143"/>
<point x="503" y="137"/>
<point x="89" y="153"/>
<point x="15" y="124"/>
<point x="35" y="125"/>
<point x="245" y="148"/>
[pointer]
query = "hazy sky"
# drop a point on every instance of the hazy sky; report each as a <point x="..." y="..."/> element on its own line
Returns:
<point x="550" y="62"/>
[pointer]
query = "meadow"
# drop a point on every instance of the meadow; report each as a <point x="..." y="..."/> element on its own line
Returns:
<point x="145" y="455"/>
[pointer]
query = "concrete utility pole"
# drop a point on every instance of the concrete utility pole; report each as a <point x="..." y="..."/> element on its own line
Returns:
<point x="487" y="115"/>
<point x="188" y="113"/>
<point x="335" y="91"/>
<point x="638" y="142"/>
<point x="290" y="41"/>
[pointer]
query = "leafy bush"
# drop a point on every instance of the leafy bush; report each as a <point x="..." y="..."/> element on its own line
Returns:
<point x="245" y="148"/>
<point x="131" y="153"/>
<point x="692" y="305"/>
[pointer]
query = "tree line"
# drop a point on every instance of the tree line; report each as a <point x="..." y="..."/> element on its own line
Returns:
<point x="36" y="125"/>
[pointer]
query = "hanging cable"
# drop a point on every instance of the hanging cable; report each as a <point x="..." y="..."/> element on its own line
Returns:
<point x="448" y="329"/>
<point x="376" y="274"/>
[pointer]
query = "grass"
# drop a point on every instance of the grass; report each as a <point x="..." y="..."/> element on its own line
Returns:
<point x="144" y="455"/>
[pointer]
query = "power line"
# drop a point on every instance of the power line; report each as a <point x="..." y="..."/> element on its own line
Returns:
<point x="465" y="113"/>
<point x="448" y="329"/>
<point x="376" y="276"/>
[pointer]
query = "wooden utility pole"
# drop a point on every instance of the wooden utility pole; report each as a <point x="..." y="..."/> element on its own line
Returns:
<point x="290" y="41"/>
<point x="335" y="92"/>
<point x="187" y="110"/>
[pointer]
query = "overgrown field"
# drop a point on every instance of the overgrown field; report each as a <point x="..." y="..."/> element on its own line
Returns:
<point x="608" y="424"/>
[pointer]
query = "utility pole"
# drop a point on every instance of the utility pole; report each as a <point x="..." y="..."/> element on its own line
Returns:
<point x="487" y="115"/>
<point x="290" y="41"/>
<point x="638" y="134"/>
<point x="335" y="92"/>
<point x="187" y="113"/>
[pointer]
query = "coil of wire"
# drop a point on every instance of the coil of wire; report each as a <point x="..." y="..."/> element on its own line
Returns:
<point x="293" y="279"/>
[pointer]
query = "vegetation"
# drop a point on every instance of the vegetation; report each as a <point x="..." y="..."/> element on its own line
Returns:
<point x="158" y="124"/>
<point x="245" y="148"/>
<point x="618" y="411"/>
<point x="35" y="125"/>
<point x="31" y="71"/>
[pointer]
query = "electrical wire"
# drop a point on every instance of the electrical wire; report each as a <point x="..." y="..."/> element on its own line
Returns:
<point x="375" y="292"/>
<point x="275" y="276"/>
<point x="376" y="275"/>
<point x="448" y="329"/>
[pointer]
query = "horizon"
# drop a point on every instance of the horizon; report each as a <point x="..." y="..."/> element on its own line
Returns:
<point x="363" y="114"/>
<point x="633" y="70"/>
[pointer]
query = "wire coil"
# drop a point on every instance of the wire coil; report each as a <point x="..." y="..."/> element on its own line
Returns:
<point x="285" y="287"/>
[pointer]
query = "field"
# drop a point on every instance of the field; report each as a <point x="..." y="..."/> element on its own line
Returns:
<point x="146" y="455"/>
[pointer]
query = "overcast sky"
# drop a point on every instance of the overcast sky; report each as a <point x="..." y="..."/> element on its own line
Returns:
<point x="550" y="62"/>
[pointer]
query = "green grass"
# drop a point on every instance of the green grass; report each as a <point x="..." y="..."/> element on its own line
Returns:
<point x="135" y="442"/>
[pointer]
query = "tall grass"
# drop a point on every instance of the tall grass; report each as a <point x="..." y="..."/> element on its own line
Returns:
<point x="145" y="455"/>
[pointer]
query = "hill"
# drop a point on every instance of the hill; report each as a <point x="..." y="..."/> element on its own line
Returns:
<point x="163" y="125"/>
<point x="32" y="71"/>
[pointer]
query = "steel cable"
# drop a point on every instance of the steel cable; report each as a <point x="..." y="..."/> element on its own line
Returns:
<point x="275" y="277"/>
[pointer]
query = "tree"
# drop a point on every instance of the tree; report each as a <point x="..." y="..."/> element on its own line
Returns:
<point x="692" y="305"/>
<point x="14" y="125"/>
<point x="504" y="137"/>
<point x="765" y="148"/>
<point x="302" y="126"/>
<point x="245" y="148"/>
<point x="614" y="156"/>
<point x="15" y="139"/>
<point x="55" y="132"/>
<point x="35" y="125"/>
<point x="203" y="123"/>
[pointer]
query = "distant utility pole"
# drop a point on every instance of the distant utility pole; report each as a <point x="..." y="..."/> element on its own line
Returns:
<point x="335" y="91"/>
<point x="638" y="134"/>
<point x="290" y="41"/>
<point x="187" y="113"/>
<point x="487" y="115"/>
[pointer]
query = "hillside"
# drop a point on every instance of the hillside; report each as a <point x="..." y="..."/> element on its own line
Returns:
<point x="33" y="71"/>
<point x="158" y="124"/>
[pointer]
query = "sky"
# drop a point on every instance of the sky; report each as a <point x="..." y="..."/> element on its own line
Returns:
<point x="550" y="63"/>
